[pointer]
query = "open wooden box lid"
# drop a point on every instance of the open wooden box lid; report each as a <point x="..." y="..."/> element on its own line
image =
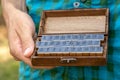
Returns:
<point x="78" y="21"/>
<point x="74" y="21"/>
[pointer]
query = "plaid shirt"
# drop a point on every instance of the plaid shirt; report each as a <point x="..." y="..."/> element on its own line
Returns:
<point x="109" y="72"/>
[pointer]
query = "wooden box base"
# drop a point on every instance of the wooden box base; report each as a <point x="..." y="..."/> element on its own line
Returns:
<point x="69" y="61"/>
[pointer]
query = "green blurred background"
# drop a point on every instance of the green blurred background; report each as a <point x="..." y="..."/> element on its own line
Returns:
<point x="8" y="66"/>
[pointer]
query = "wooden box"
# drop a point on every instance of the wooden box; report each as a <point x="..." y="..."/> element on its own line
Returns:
<point x="80" y="22"/>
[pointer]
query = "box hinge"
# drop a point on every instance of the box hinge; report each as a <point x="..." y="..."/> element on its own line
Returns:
<point x="67" y="60"/>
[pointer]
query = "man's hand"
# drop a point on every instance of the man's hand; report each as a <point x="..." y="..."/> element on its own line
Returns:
<point x="20" y="34"/>
<point x="20" y="31"/>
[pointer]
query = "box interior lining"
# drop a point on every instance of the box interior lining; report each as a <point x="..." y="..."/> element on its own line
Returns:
<point x="75" y="24"/>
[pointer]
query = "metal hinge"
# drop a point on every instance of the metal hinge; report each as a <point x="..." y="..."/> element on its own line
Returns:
<point x="67" y="60"/>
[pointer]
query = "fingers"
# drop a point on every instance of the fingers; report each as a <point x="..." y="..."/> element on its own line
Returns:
<point x="20" y="35"/>
<point x="14" y="43"/>
<point x="16" y="52"/>
<point x="14" y="57"/>
<point x="25" y="32"/>
<point x="16" y="48"/>
<point x="17" y="59"/>
<point x="27" y="45"/>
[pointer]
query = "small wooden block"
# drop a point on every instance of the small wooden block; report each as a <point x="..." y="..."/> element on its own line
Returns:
<point x="73" y="54"/>
<point x="99" y="54"/>
<point x="92" y="54"/>
<point x="65" y="54"/>
<point x="78" y="54"/>
<point x="40" y="54"/>
<point x="85" y="54"/>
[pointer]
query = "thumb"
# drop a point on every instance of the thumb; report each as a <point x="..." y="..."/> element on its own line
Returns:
<point x="28" y="47"/>
<point x="26" y="36"/>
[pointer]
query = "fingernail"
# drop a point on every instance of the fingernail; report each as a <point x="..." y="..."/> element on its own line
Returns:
<point x="27" y="51"/>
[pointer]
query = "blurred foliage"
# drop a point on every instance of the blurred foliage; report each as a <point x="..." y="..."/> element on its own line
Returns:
<point x="3" y="36"/>
<point x="8" y="66"/>
<point x="9" y="70"/>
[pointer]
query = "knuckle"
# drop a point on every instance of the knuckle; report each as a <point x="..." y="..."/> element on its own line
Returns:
<point x="13" y="52"/>
<point x="16" y="59"/>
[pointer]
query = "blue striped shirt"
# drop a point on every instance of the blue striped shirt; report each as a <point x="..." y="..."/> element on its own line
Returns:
<point x="109" y="72"/>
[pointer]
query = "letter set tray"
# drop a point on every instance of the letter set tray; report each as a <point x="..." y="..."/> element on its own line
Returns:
<point x="72" y="38"/>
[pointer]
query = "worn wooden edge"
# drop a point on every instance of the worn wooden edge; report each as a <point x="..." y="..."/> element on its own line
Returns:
<point x="82" y="12"/>
<point x="107" y="21"/>
<point x="73" y="33"/>
<point x="69" y="54"/>
<point x="41" y="24"/>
